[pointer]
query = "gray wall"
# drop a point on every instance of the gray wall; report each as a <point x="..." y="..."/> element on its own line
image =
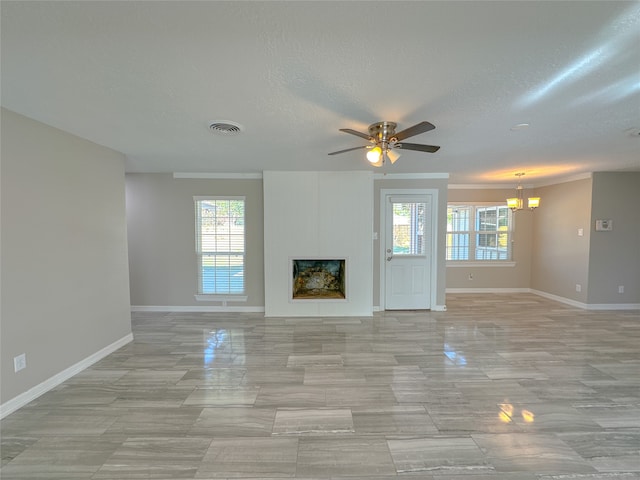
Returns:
<point x="560" y="257"/>
<point x="614" y="257"/>
<point x="161" y="226"/>
<point x="65" y="285"/>
<point x="496" y="277"/>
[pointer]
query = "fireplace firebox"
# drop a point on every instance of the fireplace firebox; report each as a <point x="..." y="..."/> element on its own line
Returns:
<point x="318" y="279"/>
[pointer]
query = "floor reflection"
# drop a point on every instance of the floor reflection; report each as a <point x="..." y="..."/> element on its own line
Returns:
<point x="223" y="347"/>
<point x="507" y="413"/>
<point x="456" y="357"/>
<point x="214" y="341"/>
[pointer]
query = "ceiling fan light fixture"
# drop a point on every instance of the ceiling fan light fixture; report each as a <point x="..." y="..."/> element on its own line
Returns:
<point x="392" y="155"/>
<point x="374" y="155"/>
<point x="379" y="163"/>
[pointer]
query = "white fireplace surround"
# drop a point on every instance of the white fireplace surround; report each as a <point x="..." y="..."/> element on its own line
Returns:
<point x="325" y="215"/>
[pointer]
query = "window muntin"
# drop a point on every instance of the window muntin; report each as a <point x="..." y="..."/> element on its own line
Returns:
<point x="478" y="232"/>
<point x="220" y="245"/>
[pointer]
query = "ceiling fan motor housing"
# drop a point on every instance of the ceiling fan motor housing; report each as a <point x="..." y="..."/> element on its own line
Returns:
<point x="383" y="132"/>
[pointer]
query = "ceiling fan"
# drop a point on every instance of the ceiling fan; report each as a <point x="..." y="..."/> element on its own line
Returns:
<point x="384" y="140"/>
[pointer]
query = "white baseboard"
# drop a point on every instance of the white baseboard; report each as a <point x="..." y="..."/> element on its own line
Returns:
<point x="488" y="290"/>
<point x="195" y="308"/>
<point x="613" y="306"/>
<point x="377" y="308"/>
<point x="550" y="296"/>
<point x="437" y="308"/>
<point x="589" y="306"/>
<point x="21" y="400"/>
<point x="566" y="301"/>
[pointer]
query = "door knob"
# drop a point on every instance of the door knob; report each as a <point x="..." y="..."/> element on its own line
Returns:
<point x="389" y="259"/>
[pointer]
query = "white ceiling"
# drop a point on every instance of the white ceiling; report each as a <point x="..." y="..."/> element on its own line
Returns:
<point x="147" y="78"/>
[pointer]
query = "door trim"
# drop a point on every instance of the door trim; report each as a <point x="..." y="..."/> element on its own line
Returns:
<point x="384" y="192"/>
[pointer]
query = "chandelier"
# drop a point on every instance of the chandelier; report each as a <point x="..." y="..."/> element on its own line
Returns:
<point x="517" y="202"/>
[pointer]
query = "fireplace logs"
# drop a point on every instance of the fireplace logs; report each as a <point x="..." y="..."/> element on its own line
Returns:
<point x="318" y="279"/>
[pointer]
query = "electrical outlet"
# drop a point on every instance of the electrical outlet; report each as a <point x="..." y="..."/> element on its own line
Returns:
<point x="20" y="362"/>
<point x="578" y="287"/>
<point x="620" y="288"/>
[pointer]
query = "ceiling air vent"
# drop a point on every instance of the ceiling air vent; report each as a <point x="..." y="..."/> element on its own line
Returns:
<point x="225" y="128"/>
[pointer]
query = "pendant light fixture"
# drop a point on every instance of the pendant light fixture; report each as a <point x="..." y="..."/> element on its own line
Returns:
<point x="517" y="202"/>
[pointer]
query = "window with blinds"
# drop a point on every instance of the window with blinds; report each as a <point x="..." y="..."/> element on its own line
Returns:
<point x="220" y="245"/>
<point x="408" y="228"/>
<point x="478" y="232"/>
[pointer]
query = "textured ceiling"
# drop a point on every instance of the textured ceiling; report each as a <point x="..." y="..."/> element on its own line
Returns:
<point x="147" y="78"/>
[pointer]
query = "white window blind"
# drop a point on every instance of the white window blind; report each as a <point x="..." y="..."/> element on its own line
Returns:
<point x="220" y="245"/>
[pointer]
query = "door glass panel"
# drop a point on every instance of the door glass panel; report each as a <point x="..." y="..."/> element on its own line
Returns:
<point x="408" y="228"/>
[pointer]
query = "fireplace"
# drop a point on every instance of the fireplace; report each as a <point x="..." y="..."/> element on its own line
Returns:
<point x="318" y="279"/>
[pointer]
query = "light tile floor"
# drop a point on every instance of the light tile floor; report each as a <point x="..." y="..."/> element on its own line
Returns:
<point x="499" y="387"/>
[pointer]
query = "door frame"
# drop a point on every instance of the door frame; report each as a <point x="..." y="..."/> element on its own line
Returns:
<point x="433" y="274"/>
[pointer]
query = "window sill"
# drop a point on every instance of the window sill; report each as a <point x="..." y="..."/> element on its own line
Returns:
<point x="220" y="298"/>
<point x="481" y="264"/>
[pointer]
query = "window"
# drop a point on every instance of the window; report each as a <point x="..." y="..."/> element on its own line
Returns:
<point x="408" y="228"/>
<point x="478" y="232"/>
<point x="220" y="245"/>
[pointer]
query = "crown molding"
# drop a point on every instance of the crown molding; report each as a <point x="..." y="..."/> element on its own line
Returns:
<point x="572" y="178"/>
<point x="478" y="186"/>
<point x="498" y="186"/>
<point x="250" y="176"/>
<point x="410" y="176"/>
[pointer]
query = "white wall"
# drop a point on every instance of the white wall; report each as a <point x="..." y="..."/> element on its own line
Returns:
<point x="64" y="282"/>
<point x="318" y="214"/>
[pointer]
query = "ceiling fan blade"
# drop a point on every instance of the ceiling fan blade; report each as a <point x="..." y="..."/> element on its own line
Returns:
<point x="357" y="134"/>
<point x="415" y="130"/>
<point x="349" y="149"/>
<point x="417" y="146"/>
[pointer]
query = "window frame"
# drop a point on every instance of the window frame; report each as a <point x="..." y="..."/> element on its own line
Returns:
<point x="473" y="233"/>
<point x="219" y="296"/>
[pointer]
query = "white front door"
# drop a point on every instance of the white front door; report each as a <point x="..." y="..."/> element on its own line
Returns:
<point x="407" y="248"/>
